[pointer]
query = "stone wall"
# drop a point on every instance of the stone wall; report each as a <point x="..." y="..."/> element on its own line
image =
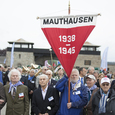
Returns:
<point x="95" y="60"/>
<point x="111" y="68"/>
<point x="20" y="58"/>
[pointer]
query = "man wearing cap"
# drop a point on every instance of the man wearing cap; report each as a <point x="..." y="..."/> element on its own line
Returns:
<point x="91" y="88"/>
<point x="103" y="102"/>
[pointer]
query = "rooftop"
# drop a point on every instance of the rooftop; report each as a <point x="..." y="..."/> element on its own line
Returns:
<point x="20" y="41"/>
<point x="89" y="44"/>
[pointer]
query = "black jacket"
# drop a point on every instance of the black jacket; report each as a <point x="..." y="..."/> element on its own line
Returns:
<point x="40" y="106"/>
<point x="24" y="80"/>
<point x="53" y="83"/>
<point x="110" y="105"/>
<point x="31" y="84"/>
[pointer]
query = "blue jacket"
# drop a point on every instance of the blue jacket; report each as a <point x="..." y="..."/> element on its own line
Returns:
<point x="1" y="80"/>
<point x="78" y="99"/>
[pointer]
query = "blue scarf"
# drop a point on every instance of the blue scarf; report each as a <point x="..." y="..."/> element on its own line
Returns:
<point x="14" y="86"/>
<point x="90" y="90"/>
<point x="102" y="103"/>
<point x="30" y="78"/>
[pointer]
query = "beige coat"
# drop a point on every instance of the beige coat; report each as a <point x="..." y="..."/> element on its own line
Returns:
<point x="17" y="106"/>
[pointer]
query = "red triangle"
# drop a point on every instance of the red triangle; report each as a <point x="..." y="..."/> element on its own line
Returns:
<point x="67" y="42"/>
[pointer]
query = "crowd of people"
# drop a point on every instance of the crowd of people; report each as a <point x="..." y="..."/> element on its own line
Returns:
<point x="91" y="92"/>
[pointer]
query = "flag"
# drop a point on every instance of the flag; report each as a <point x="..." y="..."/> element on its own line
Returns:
<point x="12" y="55"/>
<point x="4" y="60"/>
<point x="54" y="65"/>
<point x="47" y="64"/>
<point x="104" y="60"/>
<point x="66" y="35"/>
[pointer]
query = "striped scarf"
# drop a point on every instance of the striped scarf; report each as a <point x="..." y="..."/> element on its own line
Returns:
<point x="102" y="103"/>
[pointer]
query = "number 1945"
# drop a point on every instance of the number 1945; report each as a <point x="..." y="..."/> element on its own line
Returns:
<point x="64" y="50"/>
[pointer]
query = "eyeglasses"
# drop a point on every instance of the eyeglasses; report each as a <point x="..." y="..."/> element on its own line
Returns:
<point x="45" y="69"/>
<point x="105" y="84"/>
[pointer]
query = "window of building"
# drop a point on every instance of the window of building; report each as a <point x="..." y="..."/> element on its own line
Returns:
<point x="19" y="56"/>
<point x="87" y="62"/>
<point x="24" y="46"/>
<point x="90" y="49"/>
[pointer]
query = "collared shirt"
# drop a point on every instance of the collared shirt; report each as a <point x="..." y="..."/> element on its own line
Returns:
<point x="12" y="89"/>
<point x="44" y="92"/>
<point x="81" y="79"/>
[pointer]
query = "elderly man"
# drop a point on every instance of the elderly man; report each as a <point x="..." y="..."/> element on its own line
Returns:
<point x="44" y="69"/>
<point x="78" y="95"/>
<point x="91" y="70"/>
<point x="91" y="88"/>
<point x="103" y="102"/>
<point x="2" y="97"/>
<point x="45" y="98"/>
<point x="51" y="82"/>
<point x="16" y="95"/>
<point x="23" y="78"/>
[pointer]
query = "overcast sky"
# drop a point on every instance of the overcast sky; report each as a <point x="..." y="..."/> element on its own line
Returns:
<point x="18" y="20"/>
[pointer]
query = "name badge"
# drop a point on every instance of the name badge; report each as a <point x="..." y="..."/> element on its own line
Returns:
<point x="78" y="92"/>
<point x="51" y="98"/>
<point x="21" y="95"/>
<point x="32" y="82"/>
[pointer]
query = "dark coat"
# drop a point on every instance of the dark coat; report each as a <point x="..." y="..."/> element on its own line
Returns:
<point x="2" y="95"/>
<point x="53" y="83"/>
<point x="110" y="105"/>
<point x="31" y="85"/>
<point x="40" y="106"/>
<point x="88" y="108"/>
<point x="17" y="106"/>
<point x="24" y="80"/>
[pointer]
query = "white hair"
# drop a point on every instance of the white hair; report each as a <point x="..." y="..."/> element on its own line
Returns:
<point x="75" y="70"/>
<point x="32" y="70"/>
<point x="90" y="68"/>
<point x="43" y="75"/>
<point x="14" y="70"/>
<point x="49" y="71"/>
<point x="19" y="69"/>
<point x="43" y="67"/>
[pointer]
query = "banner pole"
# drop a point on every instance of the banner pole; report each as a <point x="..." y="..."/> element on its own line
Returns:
<point x="69" y="90"/>
<point x="69" y="77"/>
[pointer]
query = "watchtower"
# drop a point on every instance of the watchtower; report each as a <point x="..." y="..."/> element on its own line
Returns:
<point x="23" y="53"/>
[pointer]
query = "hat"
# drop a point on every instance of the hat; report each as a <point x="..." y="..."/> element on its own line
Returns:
<point x="91" y="77"/>
<point x="105" y="79"/>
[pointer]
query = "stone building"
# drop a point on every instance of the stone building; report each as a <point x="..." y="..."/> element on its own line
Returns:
<point x="89" y="56"/>
<point x="25" y="54"/>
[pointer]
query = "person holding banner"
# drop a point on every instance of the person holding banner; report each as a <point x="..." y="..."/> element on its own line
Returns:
<point x="78" y="95"/>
